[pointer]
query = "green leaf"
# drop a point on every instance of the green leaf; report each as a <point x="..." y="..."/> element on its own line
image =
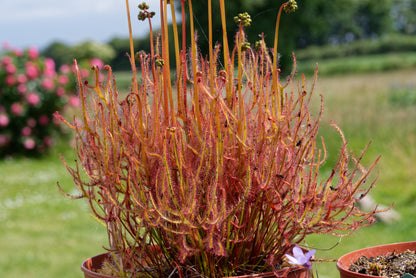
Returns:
<point x="407" y="275"/>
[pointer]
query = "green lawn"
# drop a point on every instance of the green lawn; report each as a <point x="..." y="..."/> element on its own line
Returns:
<point x="43" y="234"/>
<point x="360" y="64"/>
<point x="361" y="105"/>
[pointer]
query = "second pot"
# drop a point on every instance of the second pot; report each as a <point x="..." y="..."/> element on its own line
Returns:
<point x="345" y="261"/>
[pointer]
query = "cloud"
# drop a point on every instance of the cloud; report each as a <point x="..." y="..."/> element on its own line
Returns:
<point x="25" y="10"/>
<point x="28" y="10"/>
<point x="39" y="22"/>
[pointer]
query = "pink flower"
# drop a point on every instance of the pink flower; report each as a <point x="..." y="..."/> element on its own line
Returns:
<point x="21" y="78"/>
<point x="33" y="53"/>
<point x="60" y="91"/>
<point x="10" y="80"/>
<point x="65" y="69"/>
<point x="33" y="99"/>
<point x="29" y="143"/>
<point x="97" y="62"/>
<point x="7" y="60"/>
<point x="16" y="109"/>
<point x="21" y="88"/>
<point x="31" y="122"/>
<point x="74" y="101"/>
<point x="63" y="79"/>
<point x="73" y="69"/>
<point x="43" y="120"/>
<point x="26" y="131"/>
<point x="11" y="69"/>
<point x="31" y="70"/>
<point x="84" y="73"/>
<point x="49" y="67"/>
<point x="48" y="84"/>
<point x="48" y="141"/>
<point x="4" y="120"/>
<point x="4" y="140"/>
<point x="18" y="52"/>
<point x="6" y="45"/>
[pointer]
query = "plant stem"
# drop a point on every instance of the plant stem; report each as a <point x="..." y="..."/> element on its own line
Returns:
<point x="275" y="70"/>
<point x="133" y="63"/>
<point x="226" y="55"/>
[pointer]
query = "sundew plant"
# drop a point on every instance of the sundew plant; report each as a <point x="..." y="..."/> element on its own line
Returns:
<point x="209" y="168"/>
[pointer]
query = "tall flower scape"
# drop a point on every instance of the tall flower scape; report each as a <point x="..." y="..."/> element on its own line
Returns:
<point x="210" y="169"/>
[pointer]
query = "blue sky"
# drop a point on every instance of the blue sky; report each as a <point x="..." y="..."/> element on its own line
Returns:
<point x="25" y="23"/>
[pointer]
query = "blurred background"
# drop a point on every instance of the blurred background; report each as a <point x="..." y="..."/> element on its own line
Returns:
<point x="366" y="52"/>
<point x="318" y="30"/>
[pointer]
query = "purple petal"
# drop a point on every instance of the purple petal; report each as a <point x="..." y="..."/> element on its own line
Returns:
<point x="303" y="260"/>
<point x="310" y="254"/>
<point x="297" y="252"/>
<point x="308" y="265"/>
<point x="299" y="258"/>
<point x="292" y="260"/>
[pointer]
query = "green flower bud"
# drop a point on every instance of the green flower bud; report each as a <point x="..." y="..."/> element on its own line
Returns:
<point x="159" y="62"/>
<point x="258" y="45"/>
<point x="142" y="16"/>
<point x="245" y="46"/>
<point x="143" y="6"/>
<point x="138" y="56"/>
<point x="243" y="19"/>
<point x="291" y="6"/>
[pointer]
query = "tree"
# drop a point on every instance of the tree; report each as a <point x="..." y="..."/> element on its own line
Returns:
<point x="89" y="50"/>
<point x="64" y="54"/>
<point x="404" y="15"/>
<point x="59" y="52"/>
<point x="316" y="22"/>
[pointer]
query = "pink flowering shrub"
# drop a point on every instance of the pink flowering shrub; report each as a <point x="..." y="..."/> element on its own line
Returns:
<point x="31" y="90"/>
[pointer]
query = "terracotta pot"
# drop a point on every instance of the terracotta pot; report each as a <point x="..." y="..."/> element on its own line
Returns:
<point x="91" y="265"/>
<point x="345" y="261"/>
<point x="295" y="272"/>
<point x="299" y="272"/>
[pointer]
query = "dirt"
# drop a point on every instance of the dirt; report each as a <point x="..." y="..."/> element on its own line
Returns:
<point x="393" y="265"/>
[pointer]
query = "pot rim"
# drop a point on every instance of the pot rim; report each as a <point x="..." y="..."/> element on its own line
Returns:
<point x="87" y="265"/>
<point x="87" y="268"/>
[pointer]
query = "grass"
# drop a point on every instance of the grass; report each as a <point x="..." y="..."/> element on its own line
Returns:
<point x="361" y="105"/>
<point x="360" y="64"/>
<point x="43" y="234"/>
